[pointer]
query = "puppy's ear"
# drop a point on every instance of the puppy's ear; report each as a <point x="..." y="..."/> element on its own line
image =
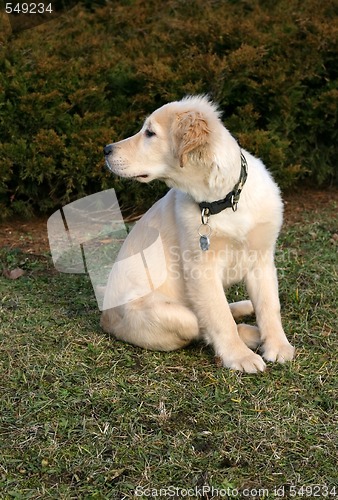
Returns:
<point x="191" y="133"/>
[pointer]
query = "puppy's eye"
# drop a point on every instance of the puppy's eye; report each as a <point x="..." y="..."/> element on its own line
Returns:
<point x="149" y="133"/>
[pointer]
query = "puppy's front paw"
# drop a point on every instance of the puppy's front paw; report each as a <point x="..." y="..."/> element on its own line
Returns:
<point x="248" y="363"/>
<point x="280" y="352"/>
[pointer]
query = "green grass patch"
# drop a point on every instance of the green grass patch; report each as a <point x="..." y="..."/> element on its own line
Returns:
<point x="85" y="416"/>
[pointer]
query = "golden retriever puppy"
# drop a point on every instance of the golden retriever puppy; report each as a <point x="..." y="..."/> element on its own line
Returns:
<point x="217" y="226"/>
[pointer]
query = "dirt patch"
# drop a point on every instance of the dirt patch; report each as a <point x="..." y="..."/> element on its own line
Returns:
<point x="31" y="236"/>
<point x="296" y="204"/>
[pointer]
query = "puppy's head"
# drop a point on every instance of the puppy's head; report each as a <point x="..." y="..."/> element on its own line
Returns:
<point x="175" y="143"/>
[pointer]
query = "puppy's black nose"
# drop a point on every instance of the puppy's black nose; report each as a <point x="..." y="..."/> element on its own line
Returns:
<point x="108" y="149"/>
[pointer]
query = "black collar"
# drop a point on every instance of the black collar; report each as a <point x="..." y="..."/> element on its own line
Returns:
<point x="232" y="198"/>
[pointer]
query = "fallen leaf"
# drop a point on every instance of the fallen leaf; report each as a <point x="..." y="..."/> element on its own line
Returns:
<point x="14" y="274"/>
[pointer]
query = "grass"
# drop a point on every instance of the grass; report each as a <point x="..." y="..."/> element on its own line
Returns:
<point x="86" y="417"/>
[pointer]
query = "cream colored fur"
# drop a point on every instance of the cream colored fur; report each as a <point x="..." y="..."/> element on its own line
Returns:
<point x="186" y="145"/>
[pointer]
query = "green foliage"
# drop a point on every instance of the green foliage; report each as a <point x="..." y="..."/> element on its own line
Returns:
<point x="90" y="77"/>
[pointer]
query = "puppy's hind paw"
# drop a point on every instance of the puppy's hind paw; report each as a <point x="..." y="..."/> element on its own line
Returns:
<point x="250" y="335"/>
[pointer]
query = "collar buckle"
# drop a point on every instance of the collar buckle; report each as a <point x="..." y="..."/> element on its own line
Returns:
<point x="234" y="202"/>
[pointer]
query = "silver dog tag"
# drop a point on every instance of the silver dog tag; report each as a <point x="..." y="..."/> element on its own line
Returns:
<point x="204" y="243"/>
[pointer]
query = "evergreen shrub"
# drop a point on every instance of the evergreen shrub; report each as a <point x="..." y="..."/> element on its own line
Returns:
<point x="90" y="77"/>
